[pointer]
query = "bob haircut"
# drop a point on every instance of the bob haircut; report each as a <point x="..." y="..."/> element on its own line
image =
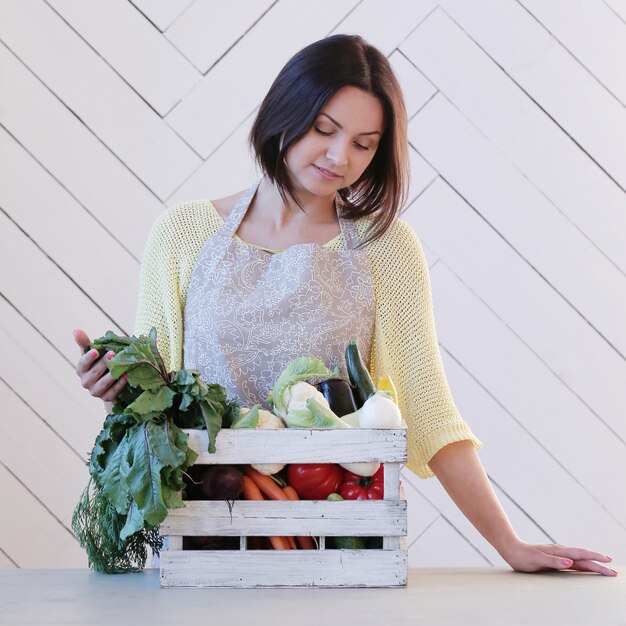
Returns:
<point x="302" y="88"/>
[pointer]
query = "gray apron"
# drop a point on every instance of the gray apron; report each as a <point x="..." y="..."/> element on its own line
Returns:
<point x="249" y="312"/>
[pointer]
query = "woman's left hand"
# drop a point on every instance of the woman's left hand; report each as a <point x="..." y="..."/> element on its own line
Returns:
<point x="533" y="557"/>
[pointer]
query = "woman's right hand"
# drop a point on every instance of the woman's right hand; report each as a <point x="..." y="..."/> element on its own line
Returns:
<point x="94" y="374"/>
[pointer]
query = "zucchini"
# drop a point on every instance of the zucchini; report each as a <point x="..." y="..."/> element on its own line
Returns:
<point x="358" y="374"/>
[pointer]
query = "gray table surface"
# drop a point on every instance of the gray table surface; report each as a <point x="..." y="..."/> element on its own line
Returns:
<point x="463" y="597"/>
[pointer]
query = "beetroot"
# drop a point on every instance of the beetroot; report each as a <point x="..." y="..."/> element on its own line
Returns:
<point x="222" y="482"/>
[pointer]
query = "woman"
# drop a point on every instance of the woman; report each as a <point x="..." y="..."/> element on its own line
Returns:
<point x="313" y="255"/>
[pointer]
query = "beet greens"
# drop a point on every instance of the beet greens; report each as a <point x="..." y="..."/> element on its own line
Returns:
<point x="139" y="458"/>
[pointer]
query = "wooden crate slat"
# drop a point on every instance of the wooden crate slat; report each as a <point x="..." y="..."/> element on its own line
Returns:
<point x="362" y="518"/>
<point x="289" y="568"/>
<point x="300" y="445"/>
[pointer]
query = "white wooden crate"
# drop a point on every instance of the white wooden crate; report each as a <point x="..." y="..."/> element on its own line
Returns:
<point x="386" y="567"/>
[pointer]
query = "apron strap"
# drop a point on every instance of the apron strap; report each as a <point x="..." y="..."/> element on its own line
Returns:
<point x="348" y="227"/>
<point x="349" y="232"/>
<point x="238" y="212"/>
<point x="235" y="217"/>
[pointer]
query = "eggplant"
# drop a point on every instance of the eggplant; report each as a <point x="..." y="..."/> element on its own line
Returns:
<point x="338" y="393"/>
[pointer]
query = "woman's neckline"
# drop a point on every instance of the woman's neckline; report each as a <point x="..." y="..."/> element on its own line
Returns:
<point x="271" y="250"/>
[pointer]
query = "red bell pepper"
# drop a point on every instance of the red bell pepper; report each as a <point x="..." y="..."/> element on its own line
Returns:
<point x="314" y="481"/>
<point x="355" y="487"/>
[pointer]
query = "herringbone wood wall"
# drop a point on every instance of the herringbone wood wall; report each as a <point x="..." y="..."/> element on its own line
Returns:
<point x="112" y="110"/>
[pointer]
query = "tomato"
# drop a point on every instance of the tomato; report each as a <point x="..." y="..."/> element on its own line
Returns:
<point x="314" y="481"/>
<point x="355" y="487"/>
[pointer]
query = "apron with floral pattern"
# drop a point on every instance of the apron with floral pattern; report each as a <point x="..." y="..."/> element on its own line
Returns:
<point x="249" y="312"/>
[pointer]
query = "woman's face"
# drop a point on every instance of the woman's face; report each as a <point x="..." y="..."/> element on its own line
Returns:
<point x="342" y="141"/>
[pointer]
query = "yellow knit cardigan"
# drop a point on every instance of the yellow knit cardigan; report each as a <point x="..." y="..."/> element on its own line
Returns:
<point x="404" y="344"/>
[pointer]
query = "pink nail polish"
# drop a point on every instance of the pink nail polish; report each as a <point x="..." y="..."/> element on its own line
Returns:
<point x="567" y="562"/>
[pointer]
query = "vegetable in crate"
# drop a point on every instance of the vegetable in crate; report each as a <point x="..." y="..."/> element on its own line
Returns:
<point x="338" y="394"/>
<point x="314" y="481"/>
<point x="222" y="482"/>
<point x="259" y="418"/>
<point x="379" y="411"/>
<point x="290" y="391"/>
<point x="139" y="458"/>
<point x="355" y="487"/>
<point x="358" y="374"/>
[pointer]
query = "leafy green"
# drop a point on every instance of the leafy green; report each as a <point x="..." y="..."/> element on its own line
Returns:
<point x="315" y="415"/>
<point x="143" y="477"/>
<point x="151" y="403"/>
<point x="142" y="364"/>
<point x="98" y="528"/>
<point x="249" y="419"/>
<point x="140" y="456"/>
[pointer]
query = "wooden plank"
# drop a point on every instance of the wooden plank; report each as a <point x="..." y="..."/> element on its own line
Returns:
<point x="618" y="7"/>
<point x="289" y="568"/>
<point x="43" y="294"/>
<point x="300" y="445"/>
<point x="25" y="187"/>
<point x="555" y="331"/>
<point x="223" y="24"/>
<point x="417" y="89"/>
<point x="551" y="413"/>
<point x="420" y="512"/>
<point x="76" y="157"/>
<point x="133" y="48"/>
<point x="386" y="24"/>
<point x="56" y="478"/>
<point x="249" y="70"/>
<point x="162" y="13"/>
<point x="526" y="51"/>
<point x="5" y="562"/>
<point x="27" y="357"/>
<point x="427" y="550"/>
<point x="30" y="535"/>
<point x="230" y="168"/>
<point x="392" y="480"/>
<point x="366" y="518"/>
<point x="96" y="94"/>
<point x="516" y="125"/>
<point x="422" y="175"/>
<point x="561" y="510"/>
<point x="522" y="215"/>
<point x="593" y="34"/>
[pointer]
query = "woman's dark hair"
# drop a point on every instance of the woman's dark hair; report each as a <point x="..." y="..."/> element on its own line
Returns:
<point x="302" y="88"/>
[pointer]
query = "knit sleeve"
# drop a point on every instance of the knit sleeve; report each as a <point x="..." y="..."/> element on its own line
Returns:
<point x="159" y="301"/>
<point x="405" y="347"/>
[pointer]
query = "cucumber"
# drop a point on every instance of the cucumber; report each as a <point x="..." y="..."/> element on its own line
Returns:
<point x="358" y="374"/>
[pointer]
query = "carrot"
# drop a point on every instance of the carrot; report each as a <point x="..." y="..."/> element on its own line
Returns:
<point x="280" y="543"/>
<point x="306" y="543"/>
<point x="252" y="492"/>
<point x="265" y="484"/>
<point x="291" y="493"/>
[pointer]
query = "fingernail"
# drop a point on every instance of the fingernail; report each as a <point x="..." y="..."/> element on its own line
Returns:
<point x="110" y="355"/>
<point x="567" y="562"/>
<point x="93" y="353"/>
<point x="124" y="376"/>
